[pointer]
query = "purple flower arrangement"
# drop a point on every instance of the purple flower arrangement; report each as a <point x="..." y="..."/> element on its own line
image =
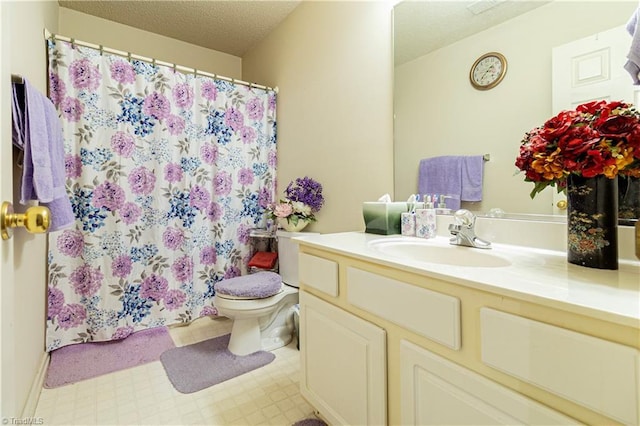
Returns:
<point x="303" y="198"/>
<point x="306" y="191"/>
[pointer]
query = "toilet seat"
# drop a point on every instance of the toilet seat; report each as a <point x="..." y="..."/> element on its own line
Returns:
<point x="248" y="287"/>
<point x="229" y="297"/>
<point x="226" y="303"/>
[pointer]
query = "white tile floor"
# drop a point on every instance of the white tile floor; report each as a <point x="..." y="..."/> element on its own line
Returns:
<point x="144" y="396"/>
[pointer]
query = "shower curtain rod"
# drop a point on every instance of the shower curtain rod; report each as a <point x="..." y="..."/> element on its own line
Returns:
<point x="129" y="56"/>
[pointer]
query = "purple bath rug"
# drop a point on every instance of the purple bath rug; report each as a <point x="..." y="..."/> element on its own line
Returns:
<point x="73" y="363"/>
<point x="310" y="422"/>
<point x="201" y="365"/>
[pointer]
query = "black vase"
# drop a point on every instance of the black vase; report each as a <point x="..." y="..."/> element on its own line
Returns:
<point x="628" y="200"/>
<point x="592" y="222"/>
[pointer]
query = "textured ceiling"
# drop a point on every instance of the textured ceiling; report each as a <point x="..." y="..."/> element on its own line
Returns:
<point x="231" y="27"/>
<point x="421" y="27"/>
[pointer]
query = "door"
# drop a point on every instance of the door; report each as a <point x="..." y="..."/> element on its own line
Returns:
<point x="23" y="258"/>
<point x="7" y="343"/>
<point x="591" y="68"/>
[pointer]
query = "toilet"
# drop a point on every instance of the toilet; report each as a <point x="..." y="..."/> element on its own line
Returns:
<point x="261" y="304"/>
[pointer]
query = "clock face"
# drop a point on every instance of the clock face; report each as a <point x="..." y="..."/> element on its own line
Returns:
<point x="488" y="71"/>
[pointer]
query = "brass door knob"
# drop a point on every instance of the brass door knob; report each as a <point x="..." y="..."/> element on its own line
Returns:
<point x="35" y="220"/>
<point x="562" y="204"/>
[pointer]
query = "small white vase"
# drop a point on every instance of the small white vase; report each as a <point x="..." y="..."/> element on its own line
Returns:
<point x="290" y="227"/>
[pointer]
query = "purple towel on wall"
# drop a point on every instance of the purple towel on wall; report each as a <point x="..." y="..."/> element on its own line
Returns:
<point x="458" y="177"/>
<point x="633" y="64"/>
<point x="37" y="131"/>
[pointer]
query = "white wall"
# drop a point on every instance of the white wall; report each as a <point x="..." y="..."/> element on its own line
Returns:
<point x="439" y="113"/>
<point x="129" y="39"/>
<point x="24" y="295"/>
<point x="332" y="62"/>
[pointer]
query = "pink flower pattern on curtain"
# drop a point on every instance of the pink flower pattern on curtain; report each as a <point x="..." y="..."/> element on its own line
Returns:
<point x="167" y="173"/>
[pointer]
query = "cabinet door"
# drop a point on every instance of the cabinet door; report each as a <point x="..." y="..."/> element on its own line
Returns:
<point x="435" y="391"/>
<point x="343" y="364"/>
<point x="592" y="372"/>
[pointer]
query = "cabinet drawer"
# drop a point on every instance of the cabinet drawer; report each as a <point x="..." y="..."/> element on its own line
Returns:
<point x="428" y="313"/>
<point x="318" y="273"/>
<point x="595" y="373"/>
<point x="436" y="391"/>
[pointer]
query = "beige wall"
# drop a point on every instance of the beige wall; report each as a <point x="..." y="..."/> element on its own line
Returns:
<point x="23" y="258"/>
<point x="332" y="62"/>
<point x="439" y="113"/>
<point x="123" y="37"/>
<point x="24" y="298"/>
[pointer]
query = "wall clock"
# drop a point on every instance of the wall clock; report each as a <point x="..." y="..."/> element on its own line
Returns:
<point x="488" y="71"/>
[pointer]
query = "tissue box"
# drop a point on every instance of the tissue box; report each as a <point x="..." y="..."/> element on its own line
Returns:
<point x="383" y="218"/>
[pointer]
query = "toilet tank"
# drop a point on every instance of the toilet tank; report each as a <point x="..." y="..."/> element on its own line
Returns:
<point x="288" y="256"/>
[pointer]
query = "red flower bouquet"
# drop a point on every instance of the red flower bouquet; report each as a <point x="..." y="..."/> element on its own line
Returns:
<point x="597" y="138"/>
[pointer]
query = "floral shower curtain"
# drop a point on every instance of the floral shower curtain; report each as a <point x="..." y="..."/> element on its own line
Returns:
<point x="167" y="173"/>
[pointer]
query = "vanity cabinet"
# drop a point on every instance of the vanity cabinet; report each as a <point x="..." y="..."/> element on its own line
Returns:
<point x="343" y="364"/>
<point x="449" y="353"/>
<point x="343" y="357"/>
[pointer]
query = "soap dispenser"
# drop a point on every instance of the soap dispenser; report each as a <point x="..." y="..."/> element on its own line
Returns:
<point x="426" y="219"/>
<point x="441" y="207"/>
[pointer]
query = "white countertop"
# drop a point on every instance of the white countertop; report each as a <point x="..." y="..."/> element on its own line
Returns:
<point x="534" y="275"/>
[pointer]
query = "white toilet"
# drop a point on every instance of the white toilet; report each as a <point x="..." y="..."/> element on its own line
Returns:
<point x="261" y="304"/>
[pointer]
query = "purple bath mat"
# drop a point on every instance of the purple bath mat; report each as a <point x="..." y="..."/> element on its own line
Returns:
<point x="201" y="365"/>
<point x="83" y="361"/>
<point x="310" y="422"/>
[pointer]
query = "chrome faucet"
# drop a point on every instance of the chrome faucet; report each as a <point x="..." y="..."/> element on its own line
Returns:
<point x="463" y="231"/>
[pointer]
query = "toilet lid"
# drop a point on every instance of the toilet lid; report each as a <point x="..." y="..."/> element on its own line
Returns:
<point x="258" y="285"/>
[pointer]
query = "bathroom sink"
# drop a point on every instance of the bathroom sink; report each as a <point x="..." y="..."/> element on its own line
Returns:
<point x="438" y="251"/>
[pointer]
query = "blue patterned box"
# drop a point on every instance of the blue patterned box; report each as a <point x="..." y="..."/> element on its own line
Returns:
<point x="382" y="218"/>
<point x="425" y="223"/>
<point x="408" y="224"/>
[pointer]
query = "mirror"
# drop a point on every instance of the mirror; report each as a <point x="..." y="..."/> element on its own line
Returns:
<point x="438" y="112"/>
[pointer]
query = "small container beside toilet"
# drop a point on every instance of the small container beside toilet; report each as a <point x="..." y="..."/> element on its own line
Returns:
<point x="261" y="304"/>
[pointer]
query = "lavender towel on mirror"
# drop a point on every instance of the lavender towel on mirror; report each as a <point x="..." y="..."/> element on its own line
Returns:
<point x="442" y="176"/>
<point x="262" y="284"/>
<point x="37" y="131"/>
<point x="633" y="64"/>
<point x="472" y="171"/>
